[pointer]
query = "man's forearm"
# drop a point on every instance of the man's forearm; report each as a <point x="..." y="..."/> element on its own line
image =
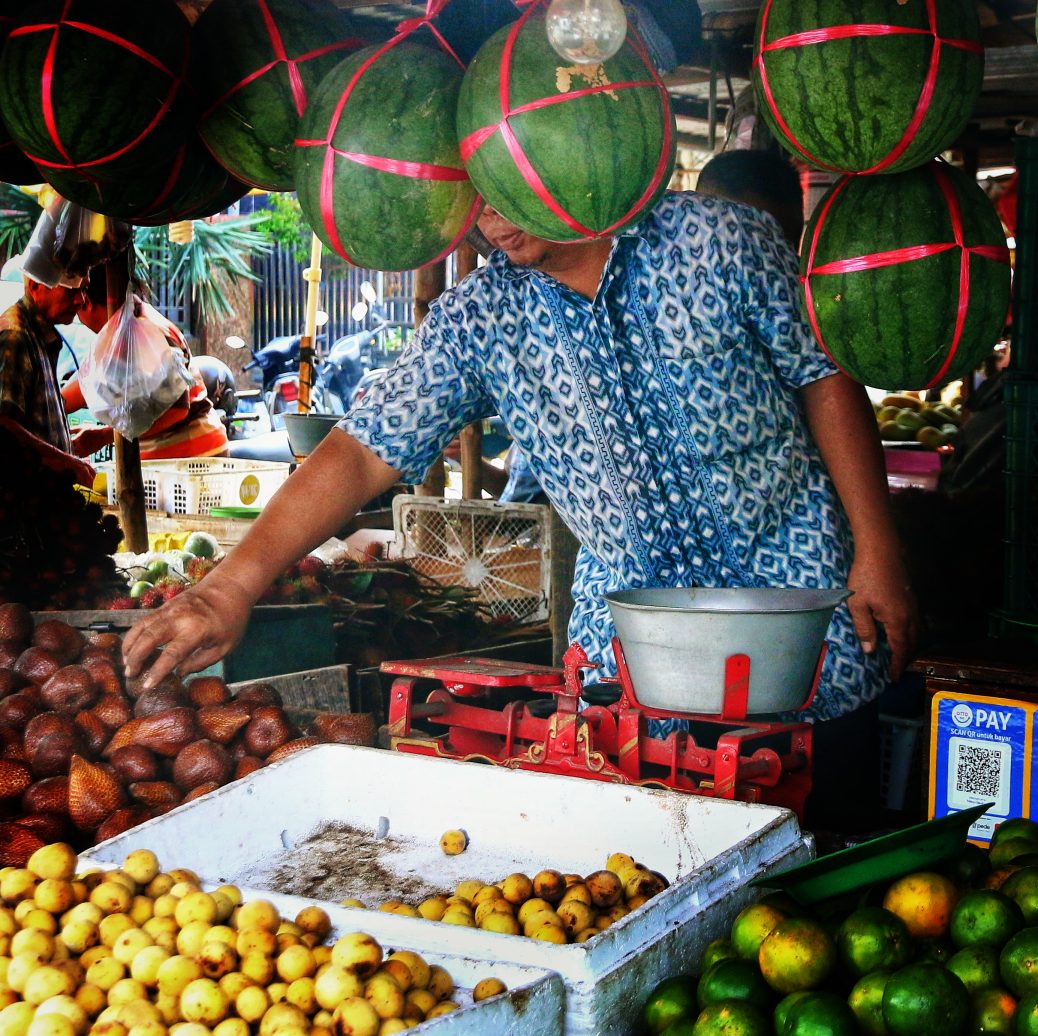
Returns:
<point x="333" y="484"/>
<point x="843" y="425"/>
<point x="48" y="454"/>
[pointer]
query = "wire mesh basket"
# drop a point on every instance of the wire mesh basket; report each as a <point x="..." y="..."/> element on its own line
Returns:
<point x="502" y="550"/>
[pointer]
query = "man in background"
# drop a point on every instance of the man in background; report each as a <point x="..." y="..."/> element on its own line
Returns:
<point x="30" y="400"/>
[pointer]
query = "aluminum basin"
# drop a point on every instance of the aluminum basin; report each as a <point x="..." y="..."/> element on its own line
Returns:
<point x="305" y="431"/>
<point x="676" y="641"/>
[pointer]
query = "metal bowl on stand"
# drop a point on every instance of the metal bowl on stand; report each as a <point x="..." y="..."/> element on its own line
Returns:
<point x="677" y="641"/>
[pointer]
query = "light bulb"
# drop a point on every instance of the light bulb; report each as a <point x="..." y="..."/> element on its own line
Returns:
<point x="586" y="32"/>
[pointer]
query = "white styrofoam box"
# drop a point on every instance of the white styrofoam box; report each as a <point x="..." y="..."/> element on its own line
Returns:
<point x="195" y="485"/>
<point x="255" y="832"/>
<point x="531" y="1006"/>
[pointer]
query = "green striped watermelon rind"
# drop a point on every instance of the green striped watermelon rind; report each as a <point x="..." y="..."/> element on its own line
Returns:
<point x="104" y="96"/>
<point x="891" y="327"/>
<point x="848" y="102"/>
<point x="251" y="131"/>
<point x="401" y="108"/>
<point x="165" y="194"/>
<point x="596" y="155"/>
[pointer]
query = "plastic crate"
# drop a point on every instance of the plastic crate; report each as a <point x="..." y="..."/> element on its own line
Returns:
<point x="899" y="747"/>
<point x="197" y="485"/>
<point x="501" y="550"/>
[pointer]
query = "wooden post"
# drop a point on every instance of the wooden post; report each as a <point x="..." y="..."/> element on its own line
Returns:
<point x="429" y="283"/>
<point x="564" y="547"/>
<point x="132" y="514"/>
<point x="466" y="259"/>
<point x="312" y="276"/>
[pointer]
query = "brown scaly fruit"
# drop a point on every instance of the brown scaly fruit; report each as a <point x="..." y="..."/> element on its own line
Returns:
<point x="94" y="793"/>
<point x="63" y="641"/>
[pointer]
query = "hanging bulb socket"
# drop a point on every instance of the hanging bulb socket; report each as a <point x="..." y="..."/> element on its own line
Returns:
<point x="586" y="32"/>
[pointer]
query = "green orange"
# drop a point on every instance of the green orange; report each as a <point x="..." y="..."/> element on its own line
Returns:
<point x="970" y="867"/>
<point x="925" y="1000"/>
<point x="872" y="939"/>
<point x="1026" y="1020"/>
<point x="672" y="1000"/>
<point x="866" y="1003"/>
<point x="993" y="1011"/>
<point x="797" y="953"/>
<point x="977" y="966"/>
<point x="984" y="917"/>
<point x="784" y="1006"/>
<point x="1016" y="827"/>
<point x="1011" y="848"/>
<point x="1022" y="887"/>
<point x="1018" y="963"/>
<point x="734" y="980"/>
<point x="719" y="949"/>
<point x="924" y="901"/>
<point x="731" y="1018"/>
<point x="820" y="1014"/>
<point x="750" y="927"/>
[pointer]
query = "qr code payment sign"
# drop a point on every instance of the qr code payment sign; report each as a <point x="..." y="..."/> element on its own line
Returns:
<point x="979" y="771"/>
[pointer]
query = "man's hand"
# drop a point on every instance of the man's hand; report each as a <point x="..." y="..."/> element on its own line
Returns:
<point x="66" y="464"/>
<point x="194" y="630"/>
<point x="883" y="595"/>
<point x="89" y="439"/>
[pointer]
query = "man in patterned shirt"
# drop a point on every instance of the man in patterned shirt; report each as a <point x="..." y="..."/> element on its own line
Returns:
<point x="30" y="400"/>
<point x="673" y="405"/>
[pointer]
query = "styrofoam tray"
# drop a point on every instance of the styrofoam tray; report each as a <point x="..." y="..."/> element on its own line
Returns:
<point x="532" y="1004"/>
<point x="254" y="832"/>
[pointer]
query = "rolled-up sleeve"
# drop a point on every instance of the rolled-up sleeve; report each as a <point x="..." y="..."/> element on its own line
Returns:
<point x="430" y="394"/>
<point x="773" y="304"/>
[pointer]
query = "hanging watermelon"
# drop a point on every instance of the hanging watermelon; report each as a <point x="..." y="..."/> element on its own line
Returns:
<point x="867" y="86"/>
<point x="378" y="171"/>
<point x="193" y="185"/>
<point x="14" y="166"/>
<point x="256" y="64"/>
<point x="97" y="88"/>
<point x="906" y="277"/>
<point x="565" y="152"/>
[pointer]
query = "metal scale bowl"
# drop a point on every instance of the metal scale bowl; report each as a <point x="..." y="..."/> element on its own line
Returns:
<point x="713" y="657"/>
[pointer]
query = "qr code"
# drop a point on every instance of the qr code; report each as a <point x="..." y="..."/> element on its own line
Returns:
<point x="978" y="770"/>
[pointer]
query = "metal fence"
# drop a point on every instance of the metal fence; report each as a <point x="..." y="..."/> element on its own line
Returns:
<point x="280" y="297"/>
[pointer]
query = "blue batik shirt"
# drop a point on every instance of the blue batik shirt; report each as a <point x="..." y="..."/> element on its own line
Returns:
<point x="661" y="418"/>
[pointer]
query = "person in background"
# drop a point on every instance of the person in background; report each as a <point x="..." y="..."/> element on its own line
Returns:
<point x="189" y="428"/>
<point x="675" y="407"/>
<point x="764" y="180"/>
<point x="30" y="401"/>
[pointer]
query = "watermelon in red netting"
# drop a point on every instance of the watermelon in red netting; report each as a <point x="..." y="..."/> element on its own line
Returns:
<point x="193" y="185"/>
<point x="378" y="171"/>
<point x="256" y="64"/>
<point x="867" y="86"/>
<point x="906" y="277"/>
<point x="564" y="151"/>
<point x="96" y="87"/>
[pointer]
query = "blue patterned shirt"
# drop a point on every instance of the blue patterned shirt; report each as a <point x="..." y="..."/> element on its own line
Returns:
<point x="661" y="418"/>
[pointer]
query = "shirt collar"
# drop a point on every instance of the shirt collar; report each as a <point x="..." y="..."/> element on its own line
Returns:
<point x="41" y="327"/>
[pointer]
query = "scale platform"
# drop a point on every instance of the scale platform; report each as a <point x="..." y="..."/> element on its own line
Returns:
<point x="529" y="717"/>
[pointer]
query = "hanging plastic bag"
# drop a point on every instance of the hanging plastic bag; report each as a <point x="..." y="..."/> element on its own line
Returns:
<point x="68" y="240"/>
<point x="131" y="376"/>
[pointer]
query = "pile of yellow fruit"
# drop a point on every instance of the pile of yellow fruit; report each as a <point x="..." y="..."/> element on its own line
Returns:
<point x="903" y="417"/>
<point x="551" y="906"/>
<point x="142" y="952"/>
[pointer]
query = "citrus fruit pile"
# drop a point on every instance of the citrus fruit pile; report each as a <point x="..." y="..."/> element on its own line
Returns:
<point x="934" y="953"/>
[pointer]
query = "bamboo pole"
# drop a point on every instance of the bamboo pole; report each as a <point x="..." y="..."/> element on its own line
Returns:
<point x="312" y="276"/>
<point x="465" y="259"/>
<point x="429" y="284"/>
<point x="128" y="478"/>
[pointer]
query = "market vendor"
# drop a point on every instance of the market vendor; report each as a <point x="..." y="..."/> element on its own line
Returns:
<point x="190" y="427"/>
<point x="676" y="410"/>
<point x="30" y="402"/>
